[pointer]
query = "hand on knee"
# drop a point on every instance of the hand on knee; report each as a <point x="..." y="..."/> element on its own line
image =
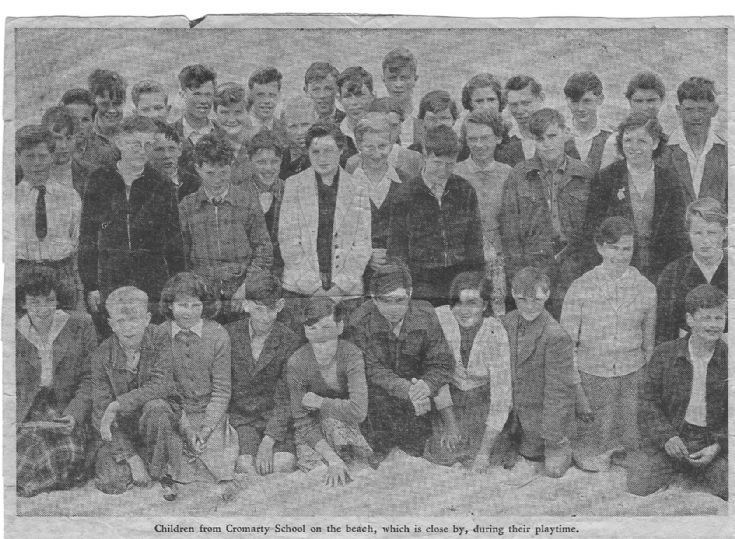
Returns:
<point x="284" y="462"/>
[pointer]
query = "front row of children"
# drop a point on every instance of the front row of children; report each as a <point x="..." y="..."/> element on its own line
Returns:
<point x="190" y="400"/>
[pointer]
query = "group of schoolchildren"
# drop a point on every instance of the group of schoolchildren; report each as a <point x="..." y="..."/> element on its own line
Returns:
<point x="246" y="292"/>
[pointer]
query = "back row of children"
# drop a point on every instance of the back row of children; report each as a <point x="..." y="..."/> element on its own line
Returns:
<point x="334" y="207"/>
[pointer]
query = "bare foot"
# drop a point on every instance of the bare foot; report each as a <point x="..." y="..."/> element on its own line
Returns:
<point x="138" y="471"/>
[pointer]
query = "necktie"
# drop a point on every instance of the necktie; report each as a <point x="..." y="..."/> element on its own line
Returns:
<point x="41" y="218"/>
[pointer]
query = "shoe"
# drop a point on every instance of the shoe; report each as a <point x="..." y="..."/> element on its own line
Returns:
<point x="169" y="487"/>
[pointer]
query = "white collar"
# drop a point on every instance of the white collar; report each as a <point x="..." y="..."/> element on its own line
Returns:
<point x="25" y="187"/>
<point x="196" y="328"/>
<point x="700" y="359"/>
<point x="188" y="129"/>
<point x="29" y="332"/>
<point x="391" y="175"/>
<point x="254" y="336"/>
<point x="601" y="126"/>
<point x="344" y="126"/>
<point x="710" y="266"/>
<point x="678" y="138"/>
<point x="221" y="196"/>
<point x="259" y="124"/>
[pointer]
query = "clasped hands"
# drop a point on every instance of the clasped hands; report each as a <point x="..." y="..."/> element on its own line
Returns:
<point x="676" y="448"/>
<point x="420" y="395"/>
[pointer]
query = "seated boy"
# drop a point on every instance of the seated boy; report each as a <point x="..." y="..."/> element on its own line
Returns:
<point x="47" y="213"/>
<point x="355" y="86"/>
<point x="542" y="367"/>
<point x="436" y="108"/>
<point x="320" y="84"/>
<point x="131" y="385"/>
<point x="130" y="231"/>
<point x="523" y="96"/>
<point x="400" y="76"/>
<point x="164" y="157"/>
<point x="436" y="229"/>
<point x="259" y="407"/>
<point x="80" y="103"/>
<point x="224" y="233"/>
<point x="407" y="360"/>
<point x="683" y="403"/>
<point x="265" y="92"/>
<point x="150" y="100"/>
<point x="591" y="142"/>
<point x="698" y="154"/>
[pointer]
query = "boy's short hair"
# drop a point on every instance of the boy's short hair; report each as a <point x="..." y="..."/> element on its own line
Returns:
<point x="265" y="75"/>
<point x="264" y="140"/>
<point x="106" y="83"/>
<point x="528" y="280"/>
<point x="645" y="81"/>
<point x="696" y="89"/>
<point x="352" y="79"/>
<point x="540" y="121"/>
<point x="147" y="86"/>
<point x="391" y="276"/>
<point x="318" y="307"/>
<point x="58" y="119"/>
<point x="193" y="76"/>
<point x="40" y="283"/>
<point x="485" y="117"/>
<point x="127" y="300"/>
<point x="471" y="280"/>
<point x="319" y="71"/>
<point x="373" y="122"/>
<point x="612" y="229"/>
<point x="441" y="141"/>
<point x="262" y="287"/>
<point x="437" y="101"/>
<point x="77" y="95"/>
<point x="636" y="120"/>
<point x="29" y="136"/>
<point x="325" y="129"/>
<point x="138" y="124"/>
<point x="704" y="296"/>
<point x="168" y="131"/>
<point x="387" y="105"/>
<point x="707" y="208"/>
<point x="188" y="284"/>
<point x="580" y="83"/>
<point x="481" y="80"/>
<point x="520" y="82"/>
<point x="398" y="58"/>
<point x="214" y="149"/>
<point x="229" y="93"/>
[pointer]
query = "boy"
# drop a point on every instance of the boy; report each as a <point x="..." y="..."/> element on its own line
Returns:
<point x="683" y="403"/>
<point x="698" y="155"/>
<point x="265" y="91"/>
<point x="436" y="229"/>
<point x="436" y="108"/>
<point x="544" y="204"/>
<point x="224" y="233"/>
<point x="80" y="104"/>
<point x="259" y="407"/>
<point x="645" y="93"/>
<point x="320" y="84"/>
<point x="407" y="360"/>
<point x="299" y="114"/>
<point x="399" y="76"/>
<point x="542" y="368"/>
<point x="483" y="92"/>
<point x="590" y="142"/>
<point x="62" y="125"/>
<point x="164" y="158"/>
<point x="96" y="149"/>
<point x="47" y="213"/>
<point x="230" y="110"/>
<point x="355" y="87"/>
<point x="130" y="231"/>
<point x="130" y="387"/>
<point x="150" y="100"/>
<point x="706" y="222"/>
<point x="523" y="96"/>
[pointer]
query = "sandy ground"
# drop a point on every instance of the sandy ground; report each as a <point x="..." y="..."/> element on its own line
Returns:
<point x="402" y="485"/>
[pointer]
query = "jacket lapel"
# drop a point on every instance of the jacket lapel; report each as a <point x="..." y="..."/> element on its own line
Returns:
<point x="267" y="354"/>
<point x="309" y="206"/>
<point x="527" y="344"/>
<point x="345" y="195"/>
<point x="681" y="165"/>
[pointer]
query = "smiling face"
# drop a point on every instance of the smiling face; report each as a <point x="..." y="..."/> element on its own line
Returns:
<point x="375" y="149"/>
<point x="356" y="102"/>
<point x="40" y="308"/>
<point x="399" y="82"/>
<point x="231" y="117"/>
<point x="523" y="103"/>
<point x="469" y="308"/>
<point x="264" y="99"/>
<point x="198" y="101"/>
<point x="531" y="307"/>
<point x="485" y="99"/>
<point x="266" y="165"/>
<point x="109" y="112"/>
<point x="128" y="322"/>
<point x="153" y="105"/>
<point x="36" y="163"/>
<point x="584" y="111"/>
<point x="707" y="238"/>
<point x="165" y="154"/>
<point x="481" y="140"/>
<point x="708" y="324"/>
<point x="324" y="93"/>
<point x="187" y="310"/>
<point x="647" y="101"/>
<point x="324" y="156"/>
<point x="638" y="146"/>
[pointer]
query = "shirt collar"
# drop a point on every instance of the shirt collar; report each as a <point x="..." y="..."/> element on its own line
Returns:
<point x="196" y="328"/>
<point x="692" y="358"/>
<point x="711" y="266"/>
<point x="535" y="163"/>
<point x="259" y="124"/>
<point x="600" y="127"/>
<point x="346" y="129"/>
<point x="678" y="138"/>
<point x="26" y="188"/>
<point x="29" y="332"/>
<point x="205" y="197"/>
<point x="390" y="175"/>
<point x="253" y="335"/>
<point x="474" y="168"/>
<point x="188" y="129"/>
<point x="275" y="188"/>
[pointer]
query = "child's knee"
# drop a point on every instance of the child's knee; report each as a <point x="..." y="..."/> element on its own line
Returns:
<point x="284" y="462"/>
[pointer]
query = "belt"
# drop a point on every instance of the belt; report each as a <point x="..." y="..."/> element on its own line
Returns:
<point x="54" y="264"/>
